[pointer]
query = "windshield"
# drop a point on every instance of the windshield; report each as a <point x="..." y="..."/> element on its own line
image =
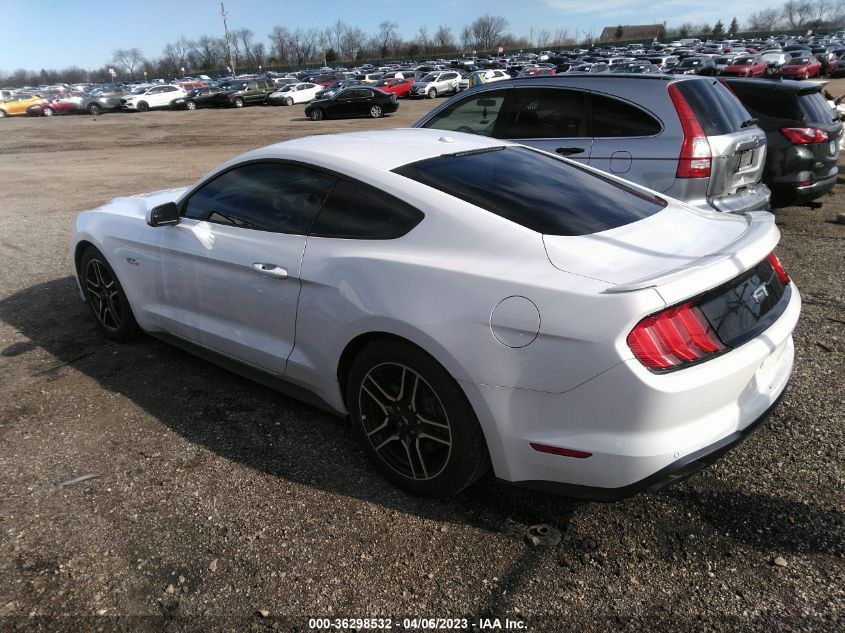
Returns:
<point x="140" y="91"/>
<point x="535" y="190"/>
<point x="689" y="63"/>
<point x="800" y="60"/>
<point x="744" y="61"/>
<point x="429" y="77"/>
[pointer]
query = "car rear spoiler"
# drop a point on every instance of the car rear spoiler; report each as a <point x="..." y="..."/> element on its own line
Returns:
<point x="752" y="246"/>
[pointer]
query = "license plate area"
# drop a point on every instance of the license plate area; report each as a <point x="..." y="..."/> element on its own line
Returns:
<point x="831" y="147"/>
<point x="746" y="160"/>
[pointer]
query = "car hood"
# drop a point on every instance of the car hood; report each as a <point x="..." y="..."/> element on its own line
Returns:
<point x="138" y="205"/>
<point x="679" y="242"/>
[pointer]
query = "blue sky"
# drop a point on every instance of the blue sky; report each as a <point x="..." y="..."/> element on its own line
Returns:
<point x="60" y="33"/>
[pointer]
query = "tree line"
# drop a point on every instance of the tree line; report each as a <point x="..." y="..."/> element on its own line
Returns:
<point x="243" y="50"/>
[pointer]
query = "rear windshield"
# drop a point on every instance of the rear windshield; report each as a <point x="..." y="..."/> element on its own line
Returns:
<point x="816" y="108"/>
<point x="535" y="190"/>
<point x="716" y="108"/>
<point x="769" y="101"/>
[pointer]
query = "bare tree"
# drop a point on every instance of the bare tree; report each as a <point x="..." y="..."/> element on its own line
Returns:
<point x="423" y="40"/>
<point x="386" y="37"/>
<point x="242" y="40"/>
<point x="797" y="14"/>
<point x="466" y="37"/>
<point x="443" y="40"/>
<point x="280" y="43"/>
<point x="488" y="31"/>
<point x="128" y="59"/>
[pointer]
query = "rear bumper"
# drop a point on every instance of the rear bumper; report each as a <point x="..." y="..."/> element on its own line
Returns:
<point x="641" y="429"/>
<point x="798" y="194"/>
<point x="753" y="198"/>
<point x="673" y="473"/>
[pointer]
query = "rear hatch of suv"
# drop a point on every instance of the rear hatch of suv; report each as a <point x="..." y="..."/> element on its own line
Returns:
<point x="818" y="115"/>
<point x="737" y="147"/>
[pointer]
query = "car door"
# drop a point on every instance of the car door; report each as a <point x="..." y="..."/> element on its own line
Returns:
<point x="361" y="102"/>
<point x="341" y="105"/>
<point x="227" y="276"/>
<point x="626" y="143"/>
<point x="551" y="119"/>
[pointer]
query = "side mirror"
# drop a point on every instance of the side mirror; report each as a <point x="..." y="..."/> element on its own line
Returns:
<point x="166" y="214"/>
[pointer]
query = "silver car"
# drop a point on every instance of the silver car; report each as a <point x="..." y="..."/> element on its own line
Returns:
<point x="685" y="136"/>
<point x="438" y="82"/>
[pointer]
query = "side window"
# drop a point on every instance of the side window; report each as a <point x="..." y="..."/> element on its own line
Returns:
<point x="476" y="115"/>
<point x="614" y="118"/>
<point x="262" y="196"/>
<point x="365" y="94"/>
<point x="154" y="91"/>
<point x="355" y="212"/>
<point x="547" y="113"/>
<point x="252" y="86"/>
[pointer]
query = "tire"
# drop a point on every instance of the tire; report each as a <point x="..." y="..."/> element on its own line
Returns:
<point x="94" y="109"/>
<point x="106" y="298"/>
<point x="47" y="112"/>
<point x="316" y="114"/>
<point x="238" y="102"/>
<point x="143" y="106"/>
<point x="190" y="105"/>
<point x="376" y="111"/>
<point x="289" y="101"/>
<point x="432" y="93"/>
<point x="429" y="443"/>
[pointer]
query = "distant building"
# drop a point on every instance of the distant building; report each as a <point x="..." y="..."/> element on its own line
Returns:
<point x="633" y="32"/>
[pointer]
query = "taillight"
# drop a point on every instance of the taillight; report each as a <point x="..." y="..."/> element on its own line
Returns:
<point x="804" y="135"/>
<point x="673" y="338"/>
<point x="694" y="161"/>
<point x="778" y="268"/>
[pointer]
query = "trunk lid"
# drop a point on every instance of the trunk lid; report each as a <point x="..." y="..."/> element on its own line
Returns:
<point x="680" y="251"/>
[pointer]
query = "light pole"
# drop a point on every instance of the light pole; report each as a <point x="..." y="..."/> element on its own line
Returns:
<point x="225" y="15"/>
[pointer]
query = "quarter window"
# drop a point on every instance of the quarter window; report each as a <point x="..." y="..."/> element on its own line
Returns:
<point x="353" y="211"/>
<point x="614" y="118"/>
<point x="262" y="196"/>
<point x="476" y="115"/>
<point x="547" y="113"/>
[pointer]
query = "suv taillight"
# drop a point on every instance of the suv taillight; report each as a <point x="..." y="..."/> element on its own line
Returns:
<point x="674" y="337"/>
<point x="695" y="158"/>
<point x="804" y="135"/>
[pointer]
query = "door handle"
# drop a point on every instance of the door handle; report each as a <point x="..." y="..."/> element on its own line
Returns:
<point x="568" y="151"/>
<point x="271" y="270"/>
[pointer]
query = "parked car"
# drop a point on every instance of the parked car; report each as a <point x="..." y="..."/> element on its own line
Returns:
<point x="103" y="99"/>
<point x="838" y="69"/>
<point x="332" y="89"/>
<point x="802" y="133"/>
<point x="398" y="87"/>
<point x="302" y="92"/>
<point x="687" y="137"/>
<point x="436" y="83"/>
<point x="801" y="67"/>
<point x="482" y="77"/>
<point x="152" y="97"/>
<point x="369" y="78"/>
<point x="775" y="59"/>
<point x="353" y="102"/>
<point x="466" y="302"/>
<point x="61" y="105"/>
<point x="279" y="97"/>
<point x="18" y="104"/>
<point x="697" y="65"/>
<point x="241" y="93"/>
<point x="637" y="68"/>
<point x="746" y="66"/>
<point x="198" y="98"/>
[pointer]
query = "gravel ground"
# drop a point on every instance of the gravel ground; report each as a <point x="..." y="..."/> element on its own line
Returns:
<point x="218" y="504"/>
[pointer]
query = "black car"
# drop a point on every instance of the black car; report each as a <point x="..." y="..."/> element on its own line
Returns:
<point x="333" y="88"/>
<point x="198" y="98"/>
<point x="802" y="136"/>
<point x="353" y="102"/>
<point x="696" y="65"/>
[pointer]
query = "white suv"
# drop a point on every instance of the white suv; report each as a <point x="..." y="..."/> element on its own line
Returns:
<point x="438" y="82"/>
<point x="482" y="77"/>
<point x="152" y="97"/>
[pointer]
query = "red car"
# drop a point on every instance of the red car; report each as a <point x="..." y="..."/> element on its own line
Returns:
<point x="746" y="66"/>
<point x="61" y="105"/>
<point x="802" y="67"/>
<point x="535" y="72"/>
<point x="398" y="87"/>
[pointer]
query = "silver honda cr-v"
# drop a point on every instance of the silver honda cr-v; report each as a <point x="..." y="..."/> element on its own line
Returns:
<point x="688" y="137"/>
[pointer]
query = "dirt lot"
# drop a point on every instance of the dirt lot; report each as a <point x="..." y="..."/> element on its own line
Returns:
<point x="217" y="499"/>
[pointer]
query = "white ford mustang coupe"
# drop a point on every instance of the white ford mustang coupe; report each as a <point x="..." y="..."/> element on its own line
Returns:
<point x="469" y="303"/>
